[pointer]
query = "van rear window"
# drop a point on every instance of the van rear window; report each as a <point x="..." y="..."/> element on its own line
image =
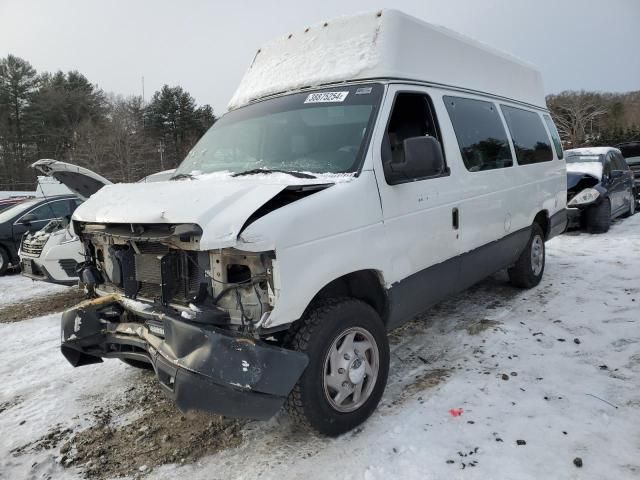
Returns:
<point x="480" y="133"/>
<point x="528" y="134"/>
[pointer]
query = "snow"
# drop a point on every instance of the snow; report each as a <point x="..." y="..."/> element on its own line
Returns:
<point x="15" y="288"/>
<point x="320" y="54"/>
<point x="590" y="168"/>
<point x="591" y="151"/>
<point x="590" y="292"/>
<point x="382" y="44"/>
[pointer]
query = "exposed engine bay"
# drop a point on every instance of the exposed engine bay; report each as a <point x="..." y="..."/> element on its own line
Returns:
<point x="162" y="264"/>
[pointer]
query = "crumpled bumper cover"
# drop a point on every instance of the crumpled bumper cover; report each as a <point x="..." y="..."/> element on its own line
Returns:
<point x="200" y="367"/>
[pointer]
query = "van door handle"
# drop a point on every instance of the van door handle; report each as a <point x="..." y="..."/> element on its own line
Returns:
<point x="455" y="218"/>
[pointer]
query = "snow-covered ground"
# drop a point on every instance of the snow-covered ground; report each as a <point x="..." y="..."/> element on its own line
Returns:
<point x="15" y="288"/>
<point x="557" y="367"/>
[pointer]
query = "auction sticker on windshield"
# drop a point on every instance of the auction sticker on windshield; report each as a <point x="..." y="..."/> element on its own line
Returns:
<point x="326" y="97"/>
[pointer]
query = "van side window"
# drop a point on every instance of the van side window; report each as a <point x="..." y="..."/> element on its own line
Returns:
<point x="528" y="134"/>
<point x="412" y="116"/>
<point x="555" y="136"/>
<point x="480" y="133"/>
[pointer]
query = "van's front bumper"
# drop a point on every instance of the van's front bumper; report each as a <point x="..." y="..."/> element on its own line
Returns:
<point x="200" y="367"/>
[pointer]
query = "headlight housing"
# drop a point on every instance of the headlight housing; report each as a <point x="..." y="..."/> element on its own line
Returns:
<point x="588" y="195"/>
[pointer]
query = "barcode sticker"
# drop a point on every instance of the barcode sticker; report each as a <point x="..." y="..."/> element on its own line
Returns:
<point x="326" y="97"/>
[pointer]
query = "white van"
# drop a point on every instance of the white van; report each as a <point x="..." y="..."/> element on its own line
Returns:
<point x="368" y="168"/>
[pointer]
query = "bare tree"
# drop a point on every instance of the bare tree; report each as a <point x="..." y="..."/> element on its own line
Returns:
<point x="574" y="115"/>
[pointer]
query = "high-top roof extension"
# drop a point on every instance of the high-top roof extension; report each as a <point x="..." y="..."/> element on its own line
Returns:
<point x="385" y="45"/>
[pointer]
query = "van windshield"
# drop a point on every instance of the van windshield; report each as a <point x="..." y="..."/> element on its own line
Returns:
<point x="323" y="131"/>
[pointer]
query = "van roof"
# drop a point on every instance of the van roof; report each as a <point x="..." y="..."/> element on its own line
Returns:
<point x="387" y="44"/>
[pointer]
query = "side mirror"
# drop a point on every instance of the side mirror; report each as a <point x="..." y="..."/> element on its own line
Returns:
<point x="422" y="158"/>
<point x="28" y="219"/>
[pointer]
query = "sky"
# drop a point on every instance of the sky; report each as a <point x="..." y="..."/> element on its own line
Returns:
<point x="206" y="46"/>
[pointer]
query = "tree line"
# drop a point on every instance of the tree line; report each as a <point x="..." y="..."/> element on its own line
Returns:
<point x="596" y="118"/>
<point x="66" y="117"/>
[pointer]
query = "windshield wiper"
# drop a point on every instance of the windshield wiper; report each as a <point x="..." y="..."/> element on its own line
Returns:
<point x="255" y="171"/>
<point x="181" y="176"/>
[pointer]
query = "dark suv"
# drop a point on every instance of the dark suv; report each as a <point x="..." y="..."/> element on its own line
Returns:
<point x="600" y="187"/>
<point x="29" y="216"/>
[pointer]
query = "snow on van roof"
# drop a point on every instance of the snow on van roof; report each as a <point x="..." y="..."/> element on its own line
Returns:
<point x="385" y="44"/>
<point x="591" y="151"/>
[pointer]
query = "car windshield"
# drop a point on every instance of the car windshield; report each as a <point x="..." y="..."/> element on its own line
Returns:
<point x="324" y="131"/>
<point x="17" y="209"/>
<point x="577" y="158"/>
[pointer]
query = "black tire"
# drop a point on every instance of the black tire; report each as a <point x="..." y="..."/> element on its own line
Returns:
<point x="137" y="364"/>
<point x="599" y="217"/>
<point x="524" y="273"/>
<point x="4" y="261"/>
<point x="322" y="324"/>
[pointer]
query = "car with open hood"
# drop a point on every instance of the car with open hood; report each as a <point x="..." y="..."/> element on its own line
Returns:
<point x="29" y="216"/>
<point x="600" y="187"/>
<point x="53" y="253"/>
<point x="351" y="185"/>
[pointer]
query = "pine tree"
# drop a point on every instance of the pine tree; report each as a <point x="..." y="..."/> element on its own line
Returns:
<point x="18" y="81"/>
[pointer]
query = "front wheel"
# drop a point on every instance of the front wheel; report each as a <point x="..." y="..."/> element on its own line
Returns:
<point x="4" y="261"/>
<point x="348" y="351"/>
<point x="632" y="205"/>
<point x="599" y="217"/>
<point x="528" y="269"/>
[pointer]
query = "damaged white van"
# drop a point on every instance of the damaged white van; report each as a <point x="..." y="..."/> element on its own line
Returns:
<point x="368" y="167"/>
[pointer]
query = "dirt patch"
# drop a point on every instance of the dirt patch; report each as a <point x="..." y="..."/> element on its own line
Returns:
<point x="158" y="434"/>
<point x="480" y="326"/>
<point x="422" y="382"/>
<point x="36" y="307"/>
<point x="52" y="439"/>
<point x="10" y="404"/>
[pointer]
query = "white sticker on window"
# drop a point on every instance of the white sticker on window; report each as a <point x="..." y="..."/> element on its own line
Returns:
<point x="326" y="97"/>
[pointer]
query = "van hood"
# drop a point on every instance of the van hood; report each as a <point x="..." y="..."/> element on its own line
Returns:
<point x="219" y="204"/>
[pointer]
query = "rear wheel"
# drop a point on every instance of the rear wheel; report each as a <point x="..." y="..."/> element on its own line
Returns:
<point x="4" y="261"/>
<point x="528" y="269"/>
<point x="632" y="205"/>
<point x="348" y="351"/>
<point x="599" y="217"/>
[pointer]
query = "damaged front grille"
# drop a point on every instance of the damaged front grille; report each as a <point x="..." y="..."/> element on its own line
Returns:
<point x="33" y="246"/>
<point x="156" y="272"/>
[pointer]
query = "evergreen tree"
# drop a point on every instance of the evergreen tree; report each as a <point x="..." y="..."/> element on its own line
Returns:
<point x="18" y="81"/>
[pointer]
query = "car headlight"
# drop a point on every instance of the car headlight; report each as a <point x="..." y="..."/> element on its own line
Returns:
<point x="587" y="195"/>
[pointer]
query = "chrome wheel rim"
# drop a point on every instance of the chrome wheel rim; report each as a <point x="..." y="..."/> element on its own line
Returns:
<point x="537" y="255"/>
<point x="351" y="368"/>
